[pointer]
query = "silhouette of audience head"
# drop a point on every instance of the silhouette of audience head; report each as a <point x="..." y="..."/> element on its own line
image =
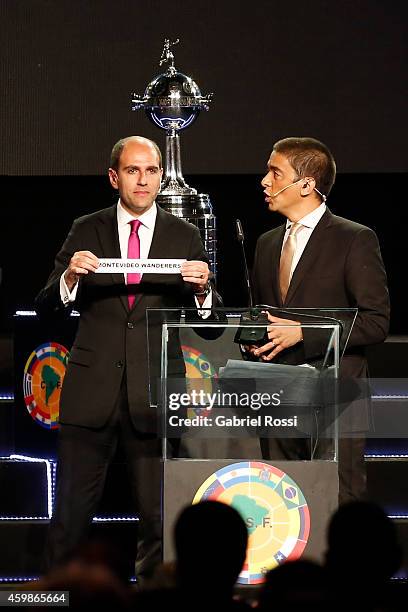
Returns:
<point x="90" y="586"/>
<point x="362" y="544"/>
<point x="211" y="541"/>
<point x="295" y="585"/>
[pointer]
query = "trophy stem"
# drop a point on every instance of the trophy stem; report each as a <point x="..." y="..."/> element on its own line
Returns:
<point x="173" y="180"/>
<point x="183" y="201"/>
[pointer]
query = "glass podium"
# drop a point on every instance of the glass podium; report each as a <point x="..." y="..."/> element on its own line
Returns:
<point x="259" y="435"/>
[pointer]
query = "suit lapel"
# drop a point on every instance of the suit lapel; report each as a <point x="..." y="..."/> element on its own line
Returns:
<point x="275" y="255"/>
<point x="309" y="255"/>
<point x="158" y="246"/>
<point x="108" y="236"/>
<point x="107" y="230"/>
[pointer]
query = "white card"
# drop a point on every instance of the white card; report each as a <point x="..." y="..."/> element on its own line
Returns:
<point x="139" y="266"/>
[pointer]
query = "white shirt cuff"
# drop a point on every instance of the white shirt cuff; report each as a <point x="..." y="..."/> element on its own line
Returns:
<point x="67" y="296"/>
<point x="204" y="314"/>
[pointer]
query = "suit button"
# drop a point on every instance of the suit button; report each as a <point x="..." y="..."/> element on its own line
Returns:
<point x="119" y="364"/>
<point x="130" y="325"/>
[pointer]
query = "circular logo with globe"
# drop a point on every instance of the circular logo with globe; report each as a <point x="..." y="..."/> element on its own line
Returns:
<point x="273" y="507"/>
<point x="199" y="375"/>
<point x="197" y="364"/>
<point x="43" y="377"/>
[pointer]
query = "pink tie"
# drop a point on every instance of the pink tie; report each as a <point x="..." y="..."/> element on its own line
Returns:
<point x="133" y="253"/>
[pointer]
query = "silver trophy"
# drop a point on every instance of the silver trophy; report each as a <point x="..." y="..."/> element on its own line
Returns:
<point x="173" y="101"/>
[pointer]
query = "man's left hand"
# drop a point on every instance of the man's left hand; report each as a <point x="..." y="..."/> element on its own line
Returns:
<point x="195" y="273"/>
<point x="280" y="338"/>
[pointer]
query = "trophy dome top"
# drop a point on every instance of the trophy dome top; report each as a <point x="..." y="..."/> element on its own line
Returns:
<point x="172" y="100"/>
<point x="175" y="86"/>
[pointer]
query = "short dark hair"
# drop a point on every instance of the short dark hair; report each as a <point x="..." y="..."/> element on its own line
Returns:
<point x="309" y="157"/>
<point x="120" y="145"/>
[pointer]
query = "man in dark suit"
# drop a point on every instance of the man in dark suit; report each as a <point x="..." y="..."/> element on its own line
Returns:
<point x="318" y="260"/>
<point x="104" y="398"/>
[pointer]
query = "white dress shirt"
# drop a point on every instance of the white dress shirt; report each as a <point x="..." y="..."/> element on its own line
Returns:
<point x="308" y="222"/>
<point x="145" y="233"/>
<point x="146" y="230"/>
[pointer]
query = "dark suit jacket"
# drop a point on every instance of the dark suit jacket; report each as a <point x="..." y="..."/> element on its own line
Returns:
<point x="111" y="339"/>
<point x="341" y="267"/>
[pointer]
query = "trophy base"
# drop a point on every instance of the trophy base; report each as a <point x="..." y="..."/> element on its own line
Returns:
<point x="196" y="209"/>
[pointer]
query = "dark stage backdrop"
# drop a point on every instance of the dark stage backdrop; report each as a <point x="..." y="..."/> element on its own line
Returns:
<point x="37" y="213"/>
<point x="333" y="69"/>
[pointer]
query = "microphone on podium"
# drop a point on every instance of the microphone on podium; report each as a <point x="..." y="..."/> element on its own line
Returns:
<point x="241" y="239"/>
<point x="254" y="322"/>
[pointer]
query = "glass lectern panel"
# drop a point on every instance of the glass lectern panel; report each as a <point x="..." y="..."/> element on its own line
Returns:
<point x="219" y="395"/>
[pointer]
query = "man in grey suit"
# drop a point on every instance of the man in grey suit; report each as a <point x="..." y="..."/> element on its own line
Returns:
<point x="317" y="260"/>
<point x="104" y="398"/>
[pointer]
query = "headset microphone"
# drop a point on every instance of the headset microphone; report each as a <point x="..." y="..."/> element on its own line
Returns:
<point x="324" y="198"/>
<point x="273" y="195"/>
